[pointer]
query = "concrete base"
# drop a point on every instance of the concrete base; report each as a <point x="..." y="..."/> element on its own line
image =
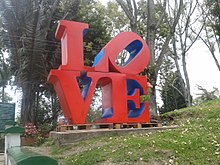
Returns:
<point x="2" y="159"/>
<point x="65" y="138"/>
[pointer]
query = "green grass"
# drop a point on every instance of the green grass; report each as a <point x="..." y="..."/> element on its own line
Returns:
<point x="196" y="141"/>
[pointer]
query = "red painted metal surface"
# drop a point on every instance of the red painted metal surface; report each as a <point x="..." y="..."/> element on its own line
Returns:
<point x="121" y="86"/>
<point x="115" y="46"/>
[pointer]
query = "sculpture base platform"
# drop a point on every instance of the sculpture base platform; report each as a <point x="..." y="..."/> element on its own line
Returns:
<point x="89" y="126"/>
<point x="71" y="136"/>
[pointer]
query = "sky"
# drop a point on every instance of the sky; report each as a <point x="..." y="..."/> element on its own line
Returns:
<point x="202" y="69"/>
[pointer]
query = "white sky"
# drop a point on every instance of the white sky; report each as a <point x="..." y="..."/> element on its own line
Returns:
<point x="202" y="69"/>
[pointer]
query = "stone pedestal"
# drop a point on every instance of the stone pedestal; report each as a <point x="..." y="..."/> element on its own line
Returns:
<point x="71" y="136"/>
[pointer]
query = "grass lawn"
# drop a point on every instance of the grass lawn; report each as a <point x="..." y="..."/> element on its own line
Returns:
<point x="196" y="141"/>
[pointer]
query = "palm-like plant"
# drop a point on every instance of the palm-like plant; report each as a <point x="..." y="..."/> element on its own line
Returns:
<point x="29" y="36"/>
<point x="27" y="24"/>
<point x="5" y="76"/>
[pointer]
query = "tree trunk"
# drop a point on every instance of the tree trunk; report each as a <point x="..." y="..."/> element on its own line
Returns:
<point x="27" y="105"/>
<point x="151" y="35"/>
<point x="36" y="108"/>
<point x="189" y="99"/>
<point x="151" y="30"/>
<point x="184" y="93"/>
<point x="3" y="94"/>
<point x="54" y="107"/>
<point x="210" y="46"/>
<point x="153" y="103"/>
<point x="216" y="60"/>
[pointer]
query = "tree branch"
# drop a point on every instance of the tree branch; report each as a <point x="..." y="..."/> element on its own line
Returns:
<point x="126" y="9"/>
<point x="172" y="30"/>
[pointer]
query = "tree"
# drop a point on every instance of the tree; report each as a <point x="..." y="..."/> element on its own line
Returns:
<point x="183" y="39"/>
<point x="131" y="10"/>
<point x="5" y="76"/>
<point x="29" y="28"/>
<point x="156" y="16"/>
<point x="211" y="35"/>
<point x="171" y="93"/>
<point x="27" y="25"/>
<point x="97" y="35"/>
<point x="206" y="95"/>
<point x="116" y="19"/>
<point x="171" y="88"/>
<point x="214" y="11"/>
<point x="5" y="72"/>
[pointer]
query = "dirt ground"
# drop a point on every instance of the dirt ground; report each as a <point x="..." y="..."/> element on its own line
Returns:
<point x="45" y="151"/>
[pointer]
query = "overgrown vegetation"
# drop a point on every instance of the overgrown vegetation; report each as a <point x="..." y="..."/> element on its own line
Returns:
<point x="196" y="141"/>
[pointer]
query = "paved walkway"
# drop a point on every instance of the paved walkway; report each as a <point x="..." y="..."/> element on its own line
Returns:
<point x="1" y="158"/>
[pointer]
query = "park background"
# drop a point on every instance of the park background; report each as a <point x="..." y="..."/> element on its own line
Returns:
<point x="28" y="39"/>
<point x="29" y="51"/>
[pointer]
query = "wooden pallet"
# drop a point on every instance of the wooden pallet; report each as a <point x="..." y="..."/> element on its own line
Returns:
<point x="136" y="125"/>
<point x="63" y="128"/>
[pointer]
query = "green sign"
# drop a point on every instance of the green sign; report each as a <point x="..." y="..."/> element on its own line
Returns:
<point x="7" y="113"/>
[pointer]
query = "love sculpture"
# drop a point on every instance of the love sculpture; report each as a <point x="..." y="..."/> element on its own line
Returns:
<point x="121" y="86"/>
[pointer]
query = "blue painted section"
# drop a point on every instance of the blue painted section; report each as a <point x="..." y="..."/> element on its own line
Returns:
<point x="107" y="113"/>
<point x="85" y="81"/>
<point x="85" y="31"/>
<point x="132" y="86"/>
<point x="136" y="112"/>
<point x="133" y="48"/>
<point x="98" y="57"/>
<point x="85" y="90"/>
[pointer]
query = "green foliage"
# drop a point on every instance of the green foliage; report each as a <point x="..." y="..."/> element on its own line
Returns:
<point x="172" y="94"/>
<point x="29" y="28"/>
<point x="117" y="20"/>
<point x="93" y="13"/>
<point x="48" y="142"/>
<point x="172" y="89"/>
<point x="145" y="98"/>
<point x="206" y="95"/>
<point x="94" y="114"/>
<point x="5" y="76"/>
<point x="163" y="29"/>
<point x="39" y="140"/>
<point x="45" y="128"/>
<point x="214" y="7"/>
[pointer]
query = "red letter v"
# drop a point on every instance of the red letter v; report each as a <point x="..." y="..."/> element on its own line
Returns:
<point x="74" y="106"/>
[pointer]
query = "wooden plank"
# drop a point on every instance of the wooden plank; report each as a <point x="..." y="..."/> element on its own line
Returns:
<point x="139" y="125"/>
<point x="89" y="126"/>
<point x="117" y="126"/>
